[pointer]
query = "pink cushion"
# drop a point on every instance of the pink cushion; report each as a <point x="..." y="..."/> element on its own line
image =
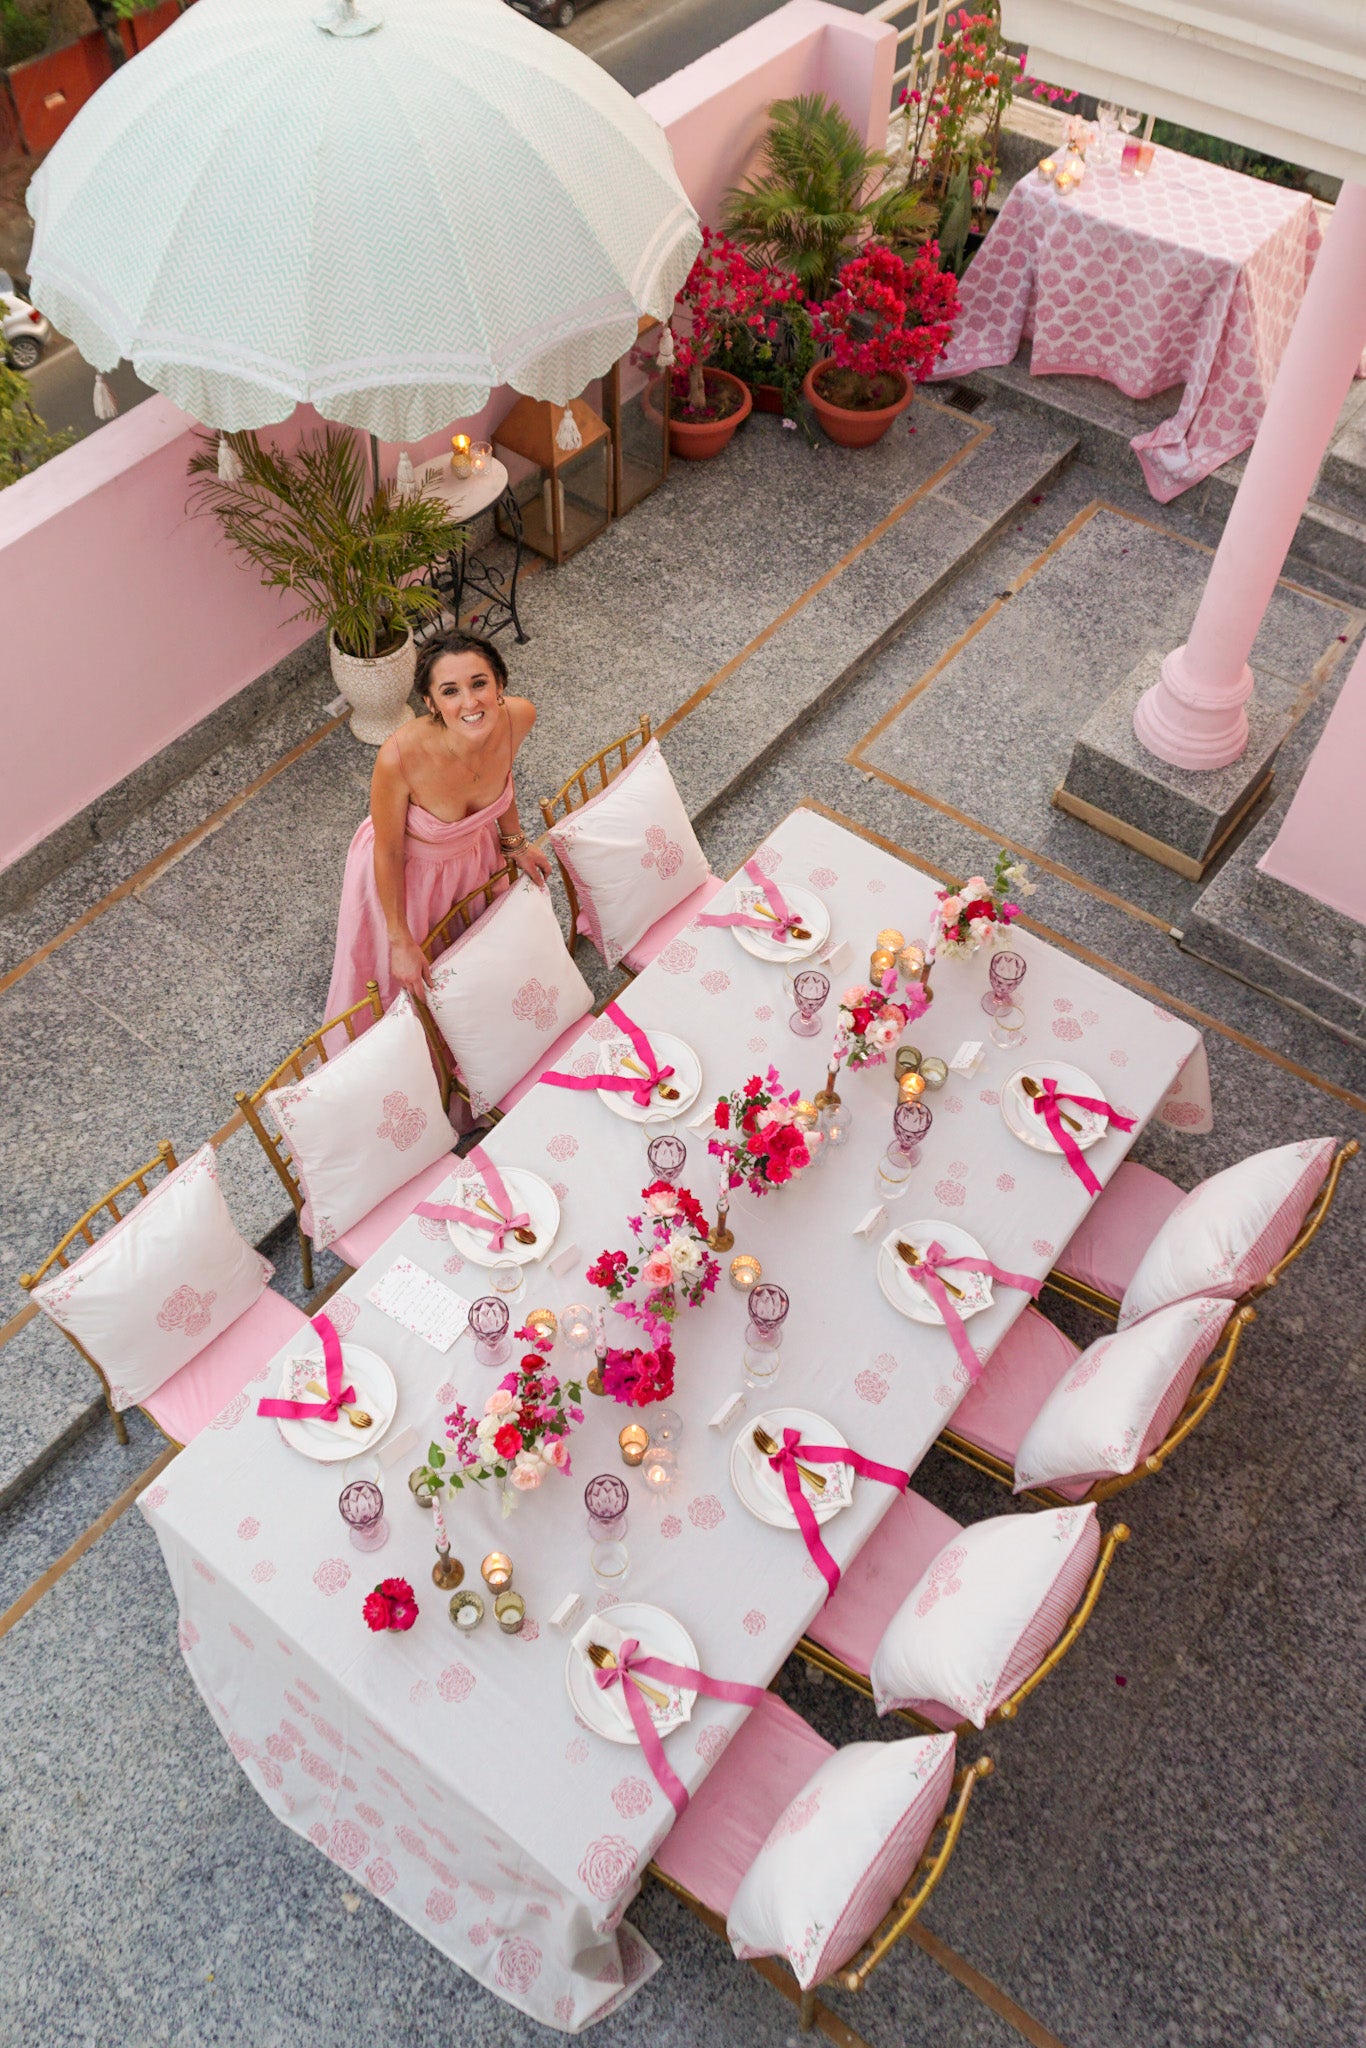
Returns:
<point x="730" y="1816"/>
<point x="557" y="1060"/>
<point x="364" y="1238"/>
<point x="1118" y="1228"/>
<point x="671" y="924"/>
<point x="1020" y="1375"/>
<point x="204" y="1388"/>
<point x="910" y="1534"/>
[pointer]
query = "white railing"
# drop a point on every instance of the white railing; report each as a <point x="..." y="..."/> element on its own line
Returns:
<point x="919" y="28"/>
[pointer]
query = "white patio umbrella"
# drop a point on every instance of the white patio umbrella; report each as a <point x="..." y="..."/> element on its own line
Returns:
<point x="386" y="217"/>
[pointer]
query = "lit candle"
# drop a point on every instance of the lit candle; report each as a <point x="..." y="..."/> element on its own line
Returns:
<point x="659" y="1474"/>
<point x="745" y="1272"/>
<point x="497" y="1571"/>
<point x="481" y="455"/>
<point x="634" y="1442"/>
<point x="510" y="1609"/>
<point x="882" y="962"/>
<point x="1146" y="153"/>
<point x="467" y="1609"/>
<point x="576" y="1326"/>
<point x="543" y="1320"/>
<point x="911" y="1087"/>
<point x="890" y="941"/>
<point x="460" y="454"/>
<point x="911" y="963"/>
<point x="1049" y="167"/>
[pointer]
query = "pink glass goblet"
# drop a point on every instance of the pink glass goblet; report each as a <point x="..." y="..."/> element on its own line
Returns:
<point x="1006" y="972"/>
<point x="606" y="1499"/>
<point x="667" y="1157"/>
<point x="768" y="1307"/>
<point x="362" y="1509"/>
<point x="489" y="1319"/>
<point x="809" y="991"/>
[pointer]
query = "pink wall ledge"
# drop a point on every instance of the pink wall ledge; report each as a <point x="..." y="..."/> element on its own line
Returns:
<point x="127" y="620"/>
<point x="1321" y="846"/>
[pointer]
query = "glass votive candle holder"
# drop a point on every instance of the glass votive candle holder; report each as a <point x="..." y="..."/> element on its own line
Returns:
<point x="467" y="1610"/>
<point x="576" y="1326"/>
<point x="882" y="962"/>
<point x="543" y="1321"/>
<point x="665" y="1430"/>
<point x="890" y="941"/>
<point x="509" y="1611"/>
<point x="934" y="1071"/>
<point x="496" y="1571"/>
<point x="910" y="1087"/>
<point x="634" y="1441"/>
<point x="481" y="456"/>
<point x="461" y="462"/>
<point x="911" y="962"/>
<point x="745" y="1272"/>
<point x="659" y="1472"/>
<point x="907" y="1060"/>
<point x="420" y="1486"/>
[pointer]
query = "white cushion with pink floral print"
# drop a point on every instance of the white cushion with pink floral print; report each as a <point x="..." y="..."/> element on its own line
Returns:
<point x="1113" y="1407"/>
<point x="504" y="992"/>
<point x="1231" y="1229"/>
<point x="160" y="1285"/>
<point x="363" y="1123"/>
<point x="840" y="1852"/>
<point x="632" y="853"/>
<point x="985" y="1612"/>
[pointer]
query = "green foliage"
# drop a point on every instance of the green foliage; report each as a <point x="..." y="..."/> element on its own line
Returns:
<point x="25" y="442"/>
<point x="955" y="219"/>
<point x="819" y="195"/>
<point x="1234" y="157"/>
<point x="782" y="359"/>
<point x="310" y="525"/>
<point x="23" y="31"/>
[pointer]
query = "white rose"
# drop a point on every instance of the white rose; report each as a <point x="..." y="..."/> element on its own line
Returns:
<point x="685" y="1255"/>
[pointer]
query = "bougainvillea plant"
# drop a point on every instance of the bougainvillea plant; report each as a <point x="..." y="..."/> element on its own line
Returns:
<point x="726" y="296"/>
<point x="886" y="316"/>
<point x="756" y="1134"/>
<point x="673" y="1263"/>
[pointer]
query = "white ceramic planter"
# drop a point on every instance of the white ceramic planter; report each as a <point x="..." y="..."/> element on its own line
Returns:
<point x="377" y="691"/>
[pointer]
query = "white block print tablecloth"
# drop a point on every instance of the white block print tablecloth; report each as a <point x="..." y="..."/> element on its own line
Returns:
<point x="448" y="1773"/>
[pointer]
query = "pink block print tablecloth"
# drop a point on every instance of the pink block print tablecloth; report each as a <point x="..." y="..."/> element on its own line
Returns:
<point x="447" y="1774"/>
<point x="1192" y="275"/>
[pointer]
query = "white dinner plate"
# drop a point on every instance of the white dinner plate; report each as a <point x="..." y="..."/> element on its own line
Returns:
<point x="906" y="1295"/>
<point x="670" y="1052"/>
<point x="376" y="1392"/>
<point x="659" y="1635"/>
<point x="757" y="1486"/>
<point x="1024" y="1122"/>
<point x="526" y="1191"/>
<point x="803" y="903"/>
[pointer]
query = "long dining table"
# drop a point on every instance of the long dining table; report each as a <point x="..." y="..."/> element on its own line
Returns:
<point x="448" y="1772"/>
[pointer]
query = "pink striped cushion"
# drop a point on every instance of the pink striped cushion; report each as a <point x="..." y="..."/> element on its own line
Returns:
<point x="671" y="924"/>
<point x="859" y="1826"/>
<point x="1118" y="1228"/>
<point x="852" y="1621"/>
<point x="1052" y="1615"/>
<point x="732" y="1813"/>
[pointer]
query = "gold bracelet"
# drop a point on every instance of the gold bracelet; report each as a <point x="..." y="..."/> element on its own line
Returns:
<point x="513" y="845"/>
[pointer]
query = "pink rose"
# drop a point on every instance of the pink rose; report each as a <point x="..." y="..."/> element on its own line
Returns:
<point x="555" y="1451"/>
<point x="525" y="1477"/>
<point x="855" y="996"/>
<point x="662" y="1202"/>
<point x="884" y="1031"/>
<point x="499" y="1402"/>
<point x="951" y="908"/>
<point x="658" y="1270"/>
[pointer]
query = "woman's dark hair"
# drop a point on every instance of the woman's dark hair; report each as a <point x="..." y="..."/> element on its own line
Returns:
<point x="456" y="643"/>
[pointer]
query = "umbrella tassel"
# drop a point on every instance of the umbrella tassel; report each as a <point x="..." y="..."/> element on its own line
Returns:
<point x="404" y="478"/>
<point x="229" y="462"/>
<point x="567" y="435"/>
<point x="102" y="398"/>
<point x="666" y="357"/>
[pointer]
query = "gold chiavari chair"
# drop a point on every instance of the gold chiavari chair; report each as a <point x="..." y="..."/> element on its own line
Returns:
<point x="825" y="1660"/>
<point x="459" y="918"/>
<point x="898" y="1922"/>
<point x="573" y="794"/>
<point x="1105" y="1305"/>
<point x="312" y="1053"/>
<point x="1204" y="1393"/>
<point x="107" y="1212"/>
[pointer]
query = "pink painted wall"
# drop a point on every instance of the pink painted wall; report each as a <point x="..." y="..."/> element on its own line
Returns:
<point x="126" y="620"/>
<point x="1321" y="846"/>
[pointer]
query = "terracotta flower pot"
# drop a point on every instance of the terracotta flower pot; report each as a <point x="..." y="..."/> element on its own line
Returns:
<point x="845" y="427"/>
<point x="767" y="397"/>
<point x="699" y="440"/>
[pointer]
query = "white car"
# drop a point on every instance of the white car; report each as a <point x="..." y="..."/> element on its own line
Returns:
<point x="23" y="329"/>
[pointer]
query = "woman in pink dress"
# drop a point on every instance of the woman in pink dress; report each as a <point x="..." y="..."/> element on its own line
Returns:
<point x="443" y="817"/>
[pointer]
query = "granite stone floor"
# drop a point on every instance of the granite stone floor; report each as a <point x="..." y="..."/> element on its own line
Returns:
<point x="1172" y="1849"/>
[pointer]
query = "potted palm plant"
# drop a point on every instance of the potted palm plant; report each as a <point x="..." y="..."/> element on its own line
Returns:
<point x="311" y="524"/>
<point x="884" y="326"/>
<point x="819" y="194"/>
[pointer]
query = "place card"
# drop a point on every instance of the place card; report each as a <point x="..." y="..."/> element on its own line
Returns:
<point x="968" y="1057"/>
<point x="871" y="1223"/>
<point x="838" y="957"/>
<point x="732" y="1406"/>
<point x="395" y="1447"/>
<point x="567" y="1614"/>
<point x="705" y="1120"/>
<point x="421" y="1303"/>
<point x="564" y="1260"/>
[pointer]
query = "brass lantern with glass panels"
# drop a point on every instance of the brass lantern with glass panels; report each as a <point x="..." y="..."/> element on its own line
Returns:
<point x="636" y="394"/>
<point x="560" y="473"/>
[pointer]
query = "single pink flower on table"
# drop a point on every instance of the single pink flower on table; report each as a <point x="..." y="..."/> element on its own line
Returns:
<point x="658" y="1270"/>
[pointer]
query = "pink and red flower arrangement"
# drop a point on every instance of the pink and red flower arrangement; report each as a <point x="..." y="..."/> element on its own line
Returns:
<point x="674" y="1265"/>
<point x="757" y="1135"/>
<point x="977" y="913"/>
<point x="522" y="1434"/>
<point x="870" y="1022"/>
<point x="391" y="1605"/>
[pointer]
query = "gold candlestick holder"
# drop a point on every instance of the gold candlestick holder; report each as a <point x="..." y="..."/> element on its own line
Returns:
<point x="721" y="1237"/>
<point x="447" y="1572"/>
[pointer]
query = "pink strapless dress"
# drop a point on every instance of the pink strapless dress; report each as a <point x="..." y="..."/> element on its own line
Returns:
<point x="441" y="864"/>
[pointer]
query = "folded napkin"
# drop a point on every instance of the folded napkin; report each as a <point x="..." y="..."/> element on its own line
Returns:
<point x="839" y="1479"/>
<point x="645" y="1717"/>
<point x="932" y="1261"/>
<point x="779" y="926"/>
<point x="598" y="1629"/>
<point x="491" y="1185"/>
<point x="785" y="1464"/>
<point x="1046" y="1106"/>
<point x="321" y="1411"/>
<point x="641" y="1087"/>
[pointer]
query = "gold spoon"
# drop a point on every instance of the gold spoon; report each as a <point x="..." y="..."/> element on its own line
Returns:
<point x="599" y="1654"/>
<point x="798" y="931"/>
<point x="665" y="1089"/>
<point x="913" y="1258"/>
<point x="1032" y="1089"/>
<point x="357" y="1417"/>
<point x="764" y="1444"/>
<point x="522" y="1234"/>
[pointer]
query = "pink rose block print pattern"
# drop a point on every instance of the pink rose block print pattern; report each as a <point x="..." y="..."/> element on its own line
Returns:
<point x="188" y="1310"/>
<point x="403" y="1122"/>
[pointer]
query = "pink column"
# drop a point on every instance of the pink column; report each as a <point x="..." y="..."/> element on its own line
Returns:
<point x="1195" y="716"/>
<point x="1321" y="846"/>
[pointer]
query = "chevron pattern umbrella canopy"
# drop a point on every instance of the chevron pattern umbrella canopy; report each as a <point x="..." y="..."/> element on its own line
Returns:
<point x="271" y="205"/>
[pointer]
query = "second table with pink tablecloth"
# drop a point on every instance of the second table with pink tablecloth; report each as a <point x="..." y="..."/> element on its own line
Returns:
<point x="450" y="1773"/>
<point x="1191" y="275"/>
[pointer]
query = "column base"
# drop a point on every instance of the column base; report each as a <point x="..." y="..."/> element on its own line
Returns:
<point x="1176" y="721"/>
<point x="1179" y="817"/>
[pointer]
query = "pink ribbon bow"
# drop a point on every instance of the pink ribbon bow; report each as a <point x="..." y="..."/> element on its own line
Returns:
<point x="927" y="1273"/>
<point x="638" y="1707"/>
<point x="497" y="1227"/>
<point x="641" y="1090"/>
<point x="779" y="926"/>
<point x="323" y="1411"/>
<point x="784" y="1462"/>
<point x="1046" y="1106"/>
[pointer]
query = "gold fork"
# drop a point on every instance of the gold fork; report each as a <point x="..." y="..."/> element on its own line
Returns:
<point x="599" y="1654"/>
<point x="764" y="1444"/>
<point x="798" y="931"/>
<point x="913" y="1258"/>
<point x="1033" y="1090"/>
<point x="522" y="1234"/>
<point x="665" y="1089"/>
<point x="357" y="1417"/>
